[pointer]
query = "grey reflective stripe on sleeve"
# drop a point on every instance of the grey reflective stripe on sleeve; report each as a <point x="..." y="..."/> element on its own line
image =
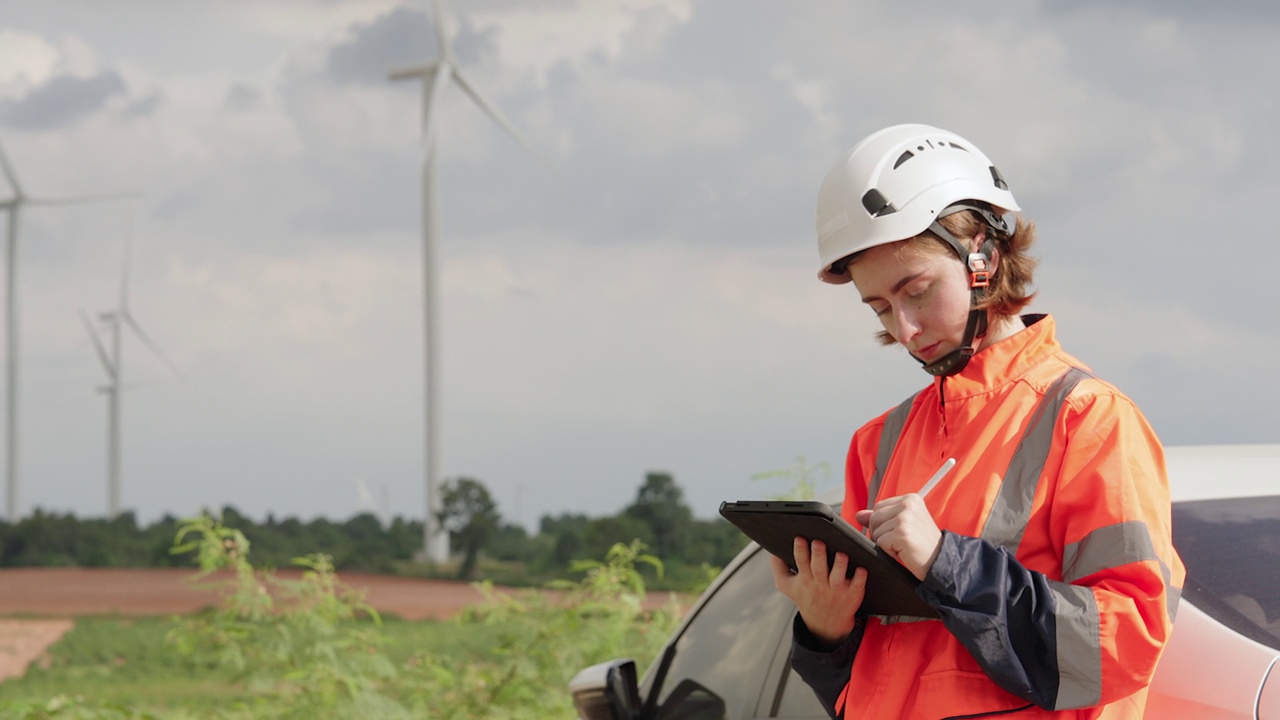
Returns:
<point x="1115" y="545"/>
<point x="1107" y="547"/>
<point x="1012" y="507"/>
<point x="1173" y="595"/>
<point x="1078" y="646"/>
<point x="889" y="435"/>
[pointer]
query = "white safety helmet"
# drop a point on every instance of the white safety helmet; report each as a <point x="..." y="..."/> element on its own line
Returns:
<point x="894" y="184"/>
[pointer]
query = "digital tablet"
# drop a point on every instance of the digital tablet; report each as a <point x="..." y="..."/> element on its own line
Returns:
<point x="774" y="525"/>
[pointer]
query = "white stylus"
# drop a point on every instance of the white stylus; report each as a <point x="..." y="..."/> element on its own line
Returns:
<point x="942" y="471"/>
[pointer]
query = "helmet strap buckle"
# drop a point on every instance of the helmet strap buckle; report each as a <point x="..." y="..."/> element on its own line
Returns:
<point x="979" y="270"/>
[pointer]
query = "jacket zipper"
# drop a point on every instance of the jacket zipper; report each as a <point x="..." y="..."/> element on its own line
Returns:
<point x="942" y="412"/>
<point x="1028" y="706"/>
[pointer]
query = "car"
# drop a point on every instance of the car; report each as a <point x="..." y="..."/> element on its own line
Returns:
<point x="730" y="656"/>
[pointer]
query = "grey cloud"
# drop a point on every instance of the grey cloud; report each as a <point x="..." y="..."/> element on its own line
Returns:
<point x="145" y="105"/>
<point x="241" y="98"/>
<point x="400" y="37"/>
<point x="62" y="101"/>
<point x="1233" y="408"/>
<point x="1248" y="11"/>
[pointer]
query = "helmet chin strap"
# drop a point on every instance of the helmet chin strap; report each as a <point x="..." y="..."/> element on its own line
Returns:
<point x="956" y="360"/>
<point x="979" y="265"/>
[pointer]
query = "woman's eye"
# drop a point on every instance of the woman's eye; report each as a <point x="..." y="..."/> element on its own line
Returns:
<point x="916" y="295"/>
<point x="880" y="311"/>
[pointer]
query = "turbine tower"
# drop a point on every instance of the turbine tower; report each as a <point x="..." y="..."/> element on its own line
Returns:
<point x="113" y="363"/>
<point x="14" y="207"/>
<point x="435" y="77"/>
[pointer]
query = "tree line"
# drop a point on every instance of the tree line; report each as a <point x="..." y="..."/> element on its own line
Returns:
<point x="484" y="544"/>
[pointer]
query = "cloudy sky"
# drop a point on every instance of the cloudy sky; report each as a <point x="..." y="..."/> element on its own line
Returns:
<point x="640" y="298"/>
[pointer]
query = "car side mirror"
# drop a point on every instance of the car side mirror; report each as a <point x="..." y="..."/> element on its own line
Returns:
<point x="608" y="691"/>
<point x="691" y="700"/>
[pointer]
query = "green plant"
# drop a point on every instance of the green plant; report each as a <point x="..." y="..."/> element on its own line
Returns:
<point x="803" y="479"/>
<point x="312" y="648"/>
<point x="546" y="639"/>
<point x="64" y="707"/>
<point x="304" y="648"/>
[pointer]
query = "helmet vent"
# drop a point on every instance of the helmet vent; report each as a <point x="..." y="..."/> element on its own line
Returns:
<point x="877" y="204"/>
<point x="903" y="158"/>
<point x="958" y="147"/>
<point x="998" y="179"/>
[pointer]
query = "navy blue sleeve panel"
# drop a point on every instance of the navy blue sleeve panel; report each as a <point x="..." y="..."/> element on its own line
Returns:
<point x="1000" y="611"/>
<point x="826" y="671"/>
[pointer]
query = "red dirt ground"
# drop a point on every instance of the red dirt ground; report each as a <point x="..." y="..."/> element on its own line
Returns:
<point x="37" y="605"/>
<point x="68" y="592"/>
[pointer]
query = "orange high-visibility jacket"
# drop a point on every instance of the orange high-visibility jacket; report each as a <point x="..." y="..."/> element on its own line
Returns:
<point x="1056" y="581"/>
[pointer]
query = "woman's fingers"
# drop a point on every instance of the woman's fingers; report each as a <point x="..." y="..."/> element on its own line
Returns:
<point x="863" y="517"/>
<point x="818" y="558"/>
<point x="839" y="571"/>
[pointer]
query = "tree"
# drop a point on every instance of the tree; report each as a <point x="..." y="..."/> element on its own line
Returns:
<point x="601" y="534"/>
<point x="660" y="504"/>
<point x="471" y="516"/>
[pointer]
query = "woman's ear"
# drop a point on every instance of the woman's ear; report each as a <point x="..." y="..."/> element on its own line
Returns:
<point x="981" y="237"/>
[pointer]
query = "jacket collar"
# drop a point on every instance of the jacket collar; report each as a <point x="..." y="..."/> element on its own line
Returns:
<point x="1003" y="362"/>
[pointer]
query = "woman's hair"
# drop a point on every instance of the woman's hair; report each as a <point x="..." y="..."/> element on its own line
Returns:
<point x="1009" y="291"/>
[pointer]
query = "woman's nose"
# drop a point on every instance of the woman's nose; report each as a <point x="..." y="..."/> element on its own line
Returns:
<point x="907" y="326"/>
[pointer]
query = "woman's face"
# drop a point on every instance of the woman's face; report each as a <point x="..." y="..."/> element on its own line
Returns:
<point x="920" y="294"/>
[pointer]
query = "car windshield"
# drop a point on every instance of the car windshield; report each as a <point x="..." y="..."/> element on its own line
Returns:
<point x="1231" y="548"/>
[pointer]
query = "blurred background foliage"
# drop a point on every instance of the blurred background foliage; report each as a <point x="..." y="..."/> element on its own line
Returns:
<point x="485" y="545"/>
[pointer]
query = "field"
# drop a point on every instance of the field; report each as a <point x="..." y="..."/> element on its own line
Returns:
<point x="38" y="605"/>
<point x="100" y="643"/>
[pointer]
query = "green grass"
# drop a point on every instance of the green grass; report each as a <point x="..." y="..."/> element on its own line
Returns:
<point x="317" y="655"/>
<point x="125" y="660"/>
<point x="108" y="659"/>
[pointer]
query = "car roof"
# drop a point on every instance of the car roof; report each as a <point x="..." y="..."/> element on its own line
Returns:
<point x="1205" y="472"/>
<point x="1201" y="472"/>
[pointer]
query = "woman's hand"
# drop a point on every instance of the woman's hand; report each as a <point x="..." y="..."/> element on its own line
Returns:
<point x="827" y="599"/>
<point x="904" y="529"/>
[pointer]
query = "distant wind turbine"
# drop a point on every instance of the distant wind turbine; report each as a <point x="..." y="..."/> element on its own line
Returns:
<point x="365" y="502"/>
<point x="14" y="207"/>
<point x="435" y="77"/>
<point x="113" y="363"/>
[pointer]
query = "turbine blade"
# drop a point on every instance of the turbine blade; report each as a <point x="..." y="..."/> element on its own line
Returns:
<point x="97" y="344"/>
<point x="152" y="346"/>
<point x="9" y="174"/>
<point x="82" y="199"/>
<point x="411" y="72"/>
<point x="497" y="116"/>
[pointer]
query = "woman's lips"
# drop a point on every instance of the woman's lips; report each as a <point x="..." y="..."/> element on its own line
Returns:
<point x="927" y="351"/>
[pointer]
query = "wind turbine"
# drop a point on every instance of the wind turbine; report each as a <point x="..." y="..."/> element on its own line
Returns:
<point x="14" y="206"/>
<point x="435" y="77"/>
<point x="113" y="363"/>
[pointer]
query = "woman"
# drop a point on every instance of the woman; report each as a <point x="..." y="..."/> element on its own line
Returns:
<point x="1046" y="551"/>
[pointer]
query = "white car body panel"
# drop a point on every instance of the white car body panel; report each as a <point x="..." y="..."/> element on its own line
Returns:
<point x="1208" y="671"/>
<point x="1207" y="472"/>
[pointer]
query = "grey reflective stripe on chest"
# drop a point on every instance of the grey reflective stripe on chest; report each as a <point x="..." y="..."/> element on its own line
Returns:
<point x="889" y="435"/>
<point x="1012" y="507"/>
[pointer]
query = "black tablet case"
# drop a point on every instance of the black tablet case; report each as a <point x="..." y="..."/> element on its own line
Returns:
<point x="775" y="524"/>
